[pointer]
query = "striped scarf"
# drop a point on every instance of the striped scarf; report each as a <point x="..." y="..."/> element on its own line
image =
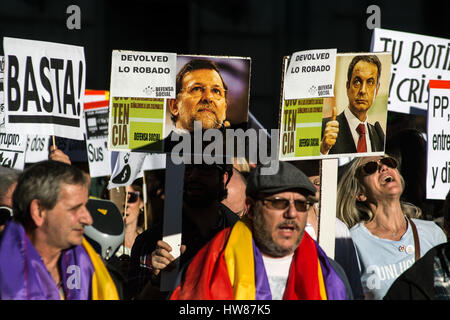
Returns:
<point x="231" y="267"/>
<point x="23" y="275"/>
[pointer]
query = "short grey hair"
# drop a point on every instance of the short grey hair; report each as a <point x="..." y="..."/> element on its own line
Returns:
<point x="8" y="177"/>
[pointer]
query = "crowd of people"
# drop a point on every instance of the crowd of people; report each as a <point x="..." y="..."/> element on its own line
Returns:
<point x="243" y="236"/>
<point x="242" y="230"/>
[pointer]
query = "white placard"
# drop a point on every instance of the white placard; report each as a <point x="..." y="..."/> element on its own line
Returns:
<point x="310" y="74"/>
<point x="37" y="148"/>
<point x="12" y="150"/>
<point x="2" y="96"/>
<point x="44" y="88"/>
<point x="415" y="60"/>
<point x="96" y="117"/>
<point x="143" y="74"/>
<point x="327" y="221"/>
<point x="127" y="167"/>
<point x="438" y="140"/>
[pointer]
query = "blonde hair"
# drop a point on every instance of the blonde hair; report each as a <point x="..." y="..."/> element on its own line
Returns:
<point x="352" y="211"/>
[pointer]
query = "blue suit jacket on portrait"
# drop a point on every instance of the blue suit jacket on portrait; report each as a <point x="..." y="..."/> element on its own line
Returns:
<point x="344" y="142"/>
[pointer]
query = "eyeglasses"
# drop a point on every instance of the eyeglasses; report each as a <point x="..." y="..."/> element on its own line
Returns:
<point x="197" y="90"/>
<point x="5" y="214"/>
<point x="282" y="204"/>
<point x="372" y="166"/>
<point x="133" y="196"/>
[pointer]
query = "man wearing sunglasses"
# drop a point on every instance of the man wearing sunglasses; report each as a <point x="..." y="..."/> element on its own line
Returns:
<point x="266" y="255"/>
<point x="350" y="131"/>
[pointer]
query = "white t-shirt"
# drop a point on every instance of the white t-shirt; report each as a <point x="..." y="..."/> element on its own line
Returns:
<point x="277" y="270"/>
<point x="383" y="260"/>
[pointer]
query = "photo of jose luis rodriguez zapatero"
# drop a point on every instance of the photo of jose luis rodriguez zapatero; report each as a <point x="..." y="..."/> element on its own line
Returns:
<point x="355" y="119"/>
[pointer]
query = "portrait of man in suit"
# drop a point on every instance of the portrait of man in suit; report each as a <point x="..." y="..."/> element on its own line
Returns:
<point x="350" y="131"/>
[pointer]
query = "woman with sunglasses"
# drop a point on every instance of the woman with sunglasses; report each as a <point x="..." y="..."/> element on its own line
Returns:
<point x="386" y="231"/>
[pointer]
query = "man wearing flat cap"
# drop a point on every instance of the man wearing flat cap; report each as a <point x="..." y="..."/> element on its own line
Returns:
<point x="266" y="255"/>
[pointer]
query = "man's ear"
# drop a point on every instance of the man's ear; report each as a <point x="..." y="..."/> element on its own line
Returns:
<point x="249" y="203"/>
<point x="37" y="213"/>
<point x="173" y="107"/>
<point x="347" y="85"/>
<point x="378" y="88"/>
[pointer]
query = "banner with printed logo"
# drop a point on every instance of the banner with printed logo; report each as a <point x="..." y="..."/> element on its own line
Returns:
<point x="126" y="167"/>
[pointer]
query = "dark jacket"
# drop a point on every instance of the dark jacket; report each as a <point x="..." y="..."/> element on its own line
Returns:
<point x="139" y="275"/>
<point x="344" y="142"/>
<point x="417" y="283"/>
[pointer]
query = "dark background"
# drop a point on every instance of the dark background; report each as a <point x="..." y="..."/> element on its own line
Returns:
<point x="263" y="30"/>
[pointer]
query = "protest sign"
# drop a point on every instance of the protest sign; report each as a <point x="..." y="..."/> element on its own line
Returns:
<point x="44" y="86"/>
<point x="12" y="150"/>
<point x="438" y="140"/>
<point x="154" y="161"/>
<point x="143" y="74"/>
<point x="96" y="116"/>
<point x="143" y="123"/>
<point x="2" y="96"/>
<point x="415" y="60"/>
<point x="304" y="121"/>
<point x="310" y="74"/>
<point x="12" y="144"/>
<point x="37" y="148"/>
<point x="74" y="149"/>
<point x="139" y="82"/>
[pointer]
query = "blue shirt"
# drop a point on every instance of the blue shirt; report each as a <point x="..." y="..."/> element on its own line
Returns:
<point x="383" y="260"/>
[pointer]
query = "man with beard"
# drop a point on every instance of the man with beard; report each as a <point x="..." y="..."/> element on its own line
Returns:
<point x="266" y="255"/>
<point x="203" y="217"/>
<point x="201" y="96"/>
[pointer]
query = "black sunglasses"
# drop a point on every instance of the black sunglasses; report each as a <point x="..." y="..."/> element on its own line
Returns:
<point x="372" y="166"/>
<point x="133" y="196"/>
<point x="5" y="214"/>
<point x="282" y="204"/>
